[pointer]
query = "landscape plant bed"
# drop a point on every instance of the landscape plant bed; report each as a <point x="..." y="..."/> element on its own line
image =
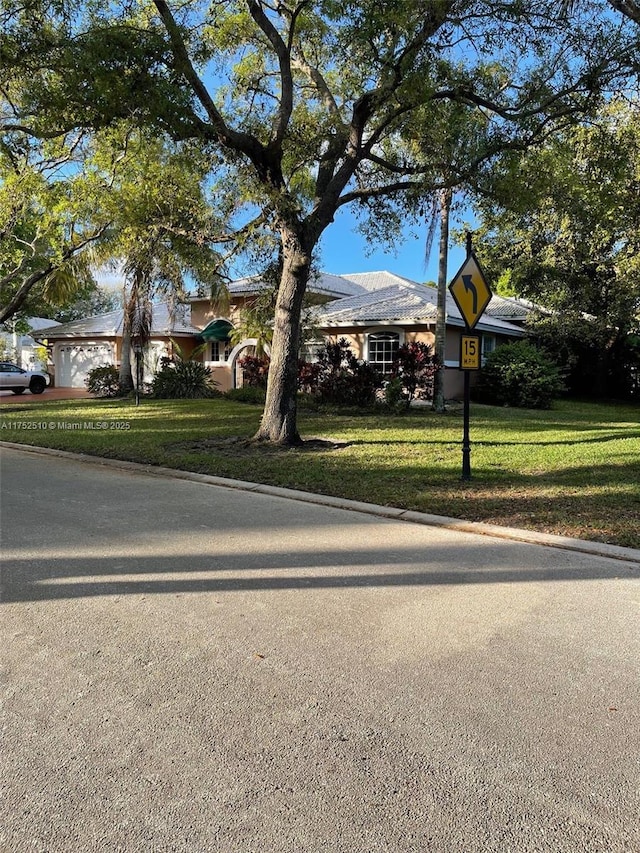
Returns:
<point x="572" y="471"/>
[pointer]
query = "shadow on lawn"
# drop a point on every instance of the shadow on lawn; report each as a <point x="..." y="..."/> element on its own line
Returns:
<point x="600" y="439"/>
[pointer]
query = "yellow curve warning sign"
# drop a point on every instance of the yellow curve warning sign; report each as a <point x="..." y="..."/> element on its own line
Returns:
<point x="470" y="290"/>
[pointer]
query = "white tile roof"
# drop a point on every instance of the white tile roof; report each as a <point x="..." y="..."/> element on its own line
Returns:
<point x="389" y="304"/>
<point x="249" y="284"/>
<point x="509" y="308"/>
<point x="324" y="283"/>
<point x="109" y="325"/>
<point x="389" y="298"/>
<point x="377" y="280"/>
<point x="335" y="285"/>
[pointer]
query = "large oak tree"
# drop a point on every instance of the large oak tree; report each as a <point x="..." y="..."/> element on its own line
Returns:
<point x="309" y="105"/>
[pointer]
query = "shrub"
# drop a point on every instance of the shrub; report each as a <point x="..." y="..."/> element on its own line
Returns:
<point x="598" y="361"/>
<point x="415" y="367"/>
<point x="103" y="381"/>
<point x="255" y="370"/>
<point x="393" y="396"/>
<point x="338" y="378"/>
<point x="183" y="380"/>
<point x="309" y="373"/>
<point x="519" y="374"/>
<point x="246" y="394"/>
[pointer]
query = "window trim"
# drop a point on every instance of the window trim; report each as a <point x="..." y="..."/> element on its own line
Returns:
<point x="226" y="352"/>
<point x="486" y="350"/>
<point x="382" y="330"/>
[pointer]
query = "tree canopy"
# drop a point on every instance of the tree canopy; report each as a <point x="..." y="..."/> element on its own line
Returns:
<point x="310" y="105"/>
<point x="563" y="228"/>
<point x="47" y="222"/>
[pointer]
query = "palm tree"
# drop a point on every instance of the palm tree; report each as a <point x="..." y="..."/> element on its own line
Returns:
<point x="162" y="233"/>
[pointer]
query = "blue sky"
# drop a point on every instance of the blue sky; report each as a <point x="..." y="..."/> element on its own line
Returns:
<point x="344" y="250"/>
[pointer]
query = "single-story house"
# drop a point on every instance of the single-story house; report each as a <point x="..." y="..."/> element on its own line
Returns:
<point x="375" y="312"/>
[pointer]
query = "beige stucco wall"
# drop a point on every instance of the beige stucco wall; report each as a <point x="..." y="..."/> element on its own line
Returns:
<point x="357" y="336"/>
<point x="203" y="312"/>
<point x="222" y="375"/>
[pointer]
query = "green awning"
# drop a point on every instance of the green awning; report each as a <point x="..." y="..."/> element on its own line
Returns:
<point x="216" y="330"/>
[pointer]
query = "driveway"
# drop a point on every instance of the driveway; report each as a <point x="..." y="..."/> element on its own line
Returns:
<point x="48" y="395"/>
<point x="194" y="668"/>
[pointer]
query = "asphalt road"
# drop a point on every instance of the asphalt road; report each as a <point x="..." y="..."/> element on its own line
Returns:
<point x="193" y="668"/>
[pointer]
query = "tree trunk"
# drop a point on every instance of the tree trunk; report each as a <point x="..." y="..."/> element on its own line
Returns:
<point x="126" y="376"/>
<point x="441" y="320"/>
<point x="279" y="419"/>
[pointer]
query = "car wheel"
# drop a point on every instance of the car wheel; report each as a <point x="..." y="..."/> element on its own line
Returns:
<point x="37" y="385"/>
<point x="18" y="390"/>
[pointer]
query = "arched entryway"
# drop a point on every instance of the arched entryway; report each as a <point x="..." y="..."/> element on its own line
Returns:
<point x="246" y="347"/>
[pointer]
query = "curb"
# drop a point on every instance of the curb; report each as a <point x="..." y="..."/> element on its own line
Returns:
<point x="600" y="549"/>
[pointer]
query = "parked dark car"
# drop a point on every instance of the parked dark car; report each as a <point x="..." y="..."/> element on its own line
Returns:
<point x="14" y="378"/>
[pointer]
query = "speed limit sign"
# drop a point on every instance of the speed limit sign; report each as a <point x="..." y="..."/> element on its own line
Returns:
<point x="469" y="352"/>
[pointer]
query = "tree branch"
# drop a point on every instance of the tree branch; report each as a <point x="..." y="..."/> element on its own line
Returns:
<point x="243" y="143"/>
<point x="20" y="296"/>
<point x="628" y="7"/>
<point x="282" y="51"/>
<point x="383" y="192"/>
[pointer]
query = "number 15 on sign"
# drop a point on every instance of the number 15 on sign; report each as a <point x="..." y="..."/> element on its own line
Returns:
<point x="469" y="352"/>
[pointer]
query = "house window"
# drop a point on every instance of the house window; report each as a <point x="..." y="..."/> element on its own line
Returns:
<point x="488" y="345"/>
<point x="220" y="350"/>
<point x="382" y="349"/>
<point x="311" y="350"/>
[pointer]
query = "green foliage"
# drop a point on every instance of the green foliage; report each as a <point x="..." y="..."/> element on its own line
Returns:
<point x="339" y="378"/>
<point x="595" y="361"/>
<point x="563" y="229"/>
<point x="394" y="397"/>
<point x="7" y="351"/>
<point x="298" y="111"/>
<point x="255" y="318"/>
<point x="103" y="381"/>
<point x="247" y="394"/>
<point x="89" y="301"/>
<point x="415" y="367"/>
<point x="519" y="374"/>
<point x="47" y="225"/>
<point x="183" y="380"/>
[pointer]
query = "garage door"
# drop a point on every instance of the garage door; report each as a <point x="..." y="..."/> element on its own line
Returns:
<point x="74" y="361"/>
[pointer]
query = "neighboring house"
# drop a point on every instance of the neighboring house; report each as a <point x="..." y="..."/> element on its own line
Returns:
<point x="24" y="350"/>
<point x="375" y="312"/>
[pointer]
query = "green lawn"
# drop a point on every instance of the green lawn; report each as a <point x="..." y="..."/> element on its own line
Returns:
<point x="574" y="470"/>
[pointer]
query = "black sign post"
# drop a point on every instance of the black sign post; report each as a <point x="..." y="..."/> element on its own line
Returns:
<point x="472" y="294"/>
